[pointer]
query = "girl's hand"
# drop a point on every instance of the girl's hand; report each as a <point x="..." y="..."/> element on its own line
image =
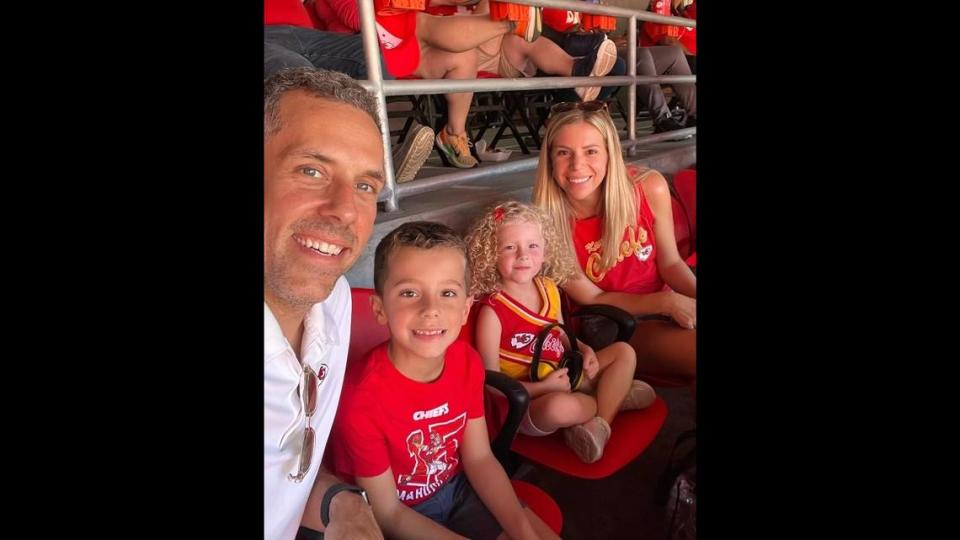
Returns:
<point x="558" y="381"/>
<point x="591" y="366"/>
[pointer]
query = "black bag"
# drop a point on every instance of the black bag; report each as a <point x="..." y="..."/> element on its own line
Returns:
<point x="682" y="508"/>
<point x="572" y="358"/>
<point x="677" y="488"/>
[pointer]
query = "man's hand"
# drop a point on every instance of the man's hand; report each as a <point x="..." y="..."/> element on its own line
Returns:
<point x="351" y="517"/>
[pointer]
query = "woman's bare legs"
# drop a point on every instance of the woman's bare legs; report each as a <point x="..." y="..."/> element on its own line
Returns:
<point x="663" y="348"/>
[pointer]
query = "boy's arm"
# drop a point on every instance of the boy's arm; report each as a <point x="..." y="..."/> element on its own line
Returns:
<point x="488" y="345"/>
<point x="488" y="479"/>
<point x="395" y="518"/>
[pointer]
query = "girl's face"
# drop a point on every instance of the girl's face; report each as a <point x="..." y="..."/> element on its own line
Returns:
<point x="520" y="252"/>
<point x="579" y="160"/>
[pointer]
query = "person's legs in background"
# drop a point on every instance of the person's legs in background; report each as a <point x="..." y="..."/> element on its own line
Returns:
<point x="452" y="138"/>
<point x="619" y="68"/>
<point x="292" y="46"/>
<point x="597" y="60"/>
<point x="458" y="34"/>
<point x="672" y="61"/>
<point x="288" y="46"/>
<point x="276" y="57"/>
<point x="653" y="61"/>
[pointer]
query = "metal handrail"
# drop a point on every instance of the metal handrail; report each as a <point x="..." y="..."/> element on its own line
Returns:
<point x="391" y="193"/>
<point x="447" y="86"/>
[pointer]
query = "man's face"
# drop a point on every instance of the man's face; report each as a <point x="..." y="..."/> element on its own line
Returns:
<point x="322" y="172"/>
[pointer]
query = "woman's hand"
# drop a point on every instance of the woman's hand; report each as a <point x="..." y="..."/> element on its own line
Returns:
<point x="683" y="310"/>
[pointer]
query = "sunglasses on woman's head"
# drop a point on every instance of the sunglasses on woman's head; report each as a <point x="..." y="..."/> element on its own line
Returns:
<point x="585" y="106"/>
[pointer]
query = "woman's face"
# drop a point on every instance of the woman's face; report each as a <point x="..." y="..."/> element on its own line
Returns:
<point x="579" y="161"/>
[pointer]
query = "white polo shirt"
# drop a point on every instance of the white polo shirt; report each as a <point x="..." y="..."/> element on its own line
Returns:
<point x="326" y="337"/>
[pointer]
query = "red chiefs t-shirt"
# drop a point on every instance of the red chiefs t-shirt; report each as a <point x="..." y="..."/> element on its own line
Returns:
<point x="387" y="420"/>
<point x="636" y="271"/>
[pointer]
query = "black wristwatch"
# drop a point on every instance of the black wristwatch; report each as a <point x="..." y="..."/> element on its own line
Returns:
<point x="331" y="493"/>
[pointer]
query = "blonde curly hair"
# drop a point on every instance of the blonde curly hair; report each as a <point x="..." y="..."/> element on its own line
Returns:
<point x="483" y="252"/>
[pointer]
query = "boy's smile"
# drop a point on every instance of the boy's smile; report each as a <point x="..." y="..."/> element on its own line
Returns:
<point x="424" y="303"/>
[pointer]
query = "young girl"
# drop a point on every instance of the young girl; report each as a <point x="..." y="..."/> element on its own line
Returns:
<point x="517" y="264"/>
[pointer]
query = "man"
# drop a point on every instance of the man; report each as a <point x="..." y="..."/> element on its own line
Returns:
<point x="323" y="169"/>
<point x="291" y="39"/>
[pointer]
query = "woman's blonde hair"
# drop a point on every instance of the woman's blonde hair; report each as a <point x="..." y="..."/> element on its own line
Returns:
<point x="618" y="201"/>
<point x="482" y="249"/>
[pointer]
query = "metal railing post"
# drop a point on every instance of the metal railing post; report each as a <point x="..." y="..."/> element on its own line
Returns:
<point x="392" y="193"/>
<point x="371" y="51"/>
<point x="632" y="92"/>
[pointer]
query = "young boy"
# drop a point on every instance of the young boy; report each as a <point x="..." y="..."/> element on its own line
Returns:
<point x="410" y="421"/>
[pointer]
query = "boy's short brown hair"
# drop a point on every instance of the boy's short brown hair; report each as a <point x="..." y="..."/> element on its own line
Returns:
<point x="416" y="234"/>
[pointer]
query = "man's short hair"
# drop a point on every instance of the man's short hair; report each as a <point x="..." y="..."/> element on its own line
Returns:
<point x="416" y="234"/>
<point x="321" y="83"/>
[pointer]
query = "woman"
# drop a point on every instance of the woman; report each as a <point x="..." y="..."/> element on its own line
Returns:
<point x="618" y="221"/>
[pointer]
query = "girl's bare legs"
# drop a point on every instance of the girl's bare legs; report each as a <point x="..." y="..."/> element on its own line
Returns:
<point x="617" y="365"/>
<point x="560" y="409"/>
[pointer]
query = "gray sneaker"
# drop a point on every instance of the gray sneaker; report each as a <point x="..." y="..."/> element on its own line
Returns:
<point x="411" y="155"/>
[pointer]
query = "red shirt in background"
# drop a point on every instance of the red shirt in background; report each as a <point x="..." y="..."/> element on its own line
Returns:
<point x="290" y="12"/>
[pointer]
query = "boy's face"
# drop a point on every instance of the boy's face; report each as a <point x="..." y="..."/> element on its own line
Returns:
<point x="424" y="302"/>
